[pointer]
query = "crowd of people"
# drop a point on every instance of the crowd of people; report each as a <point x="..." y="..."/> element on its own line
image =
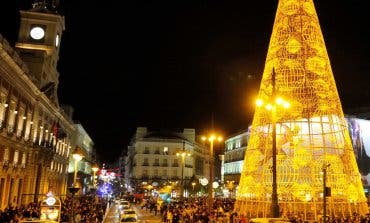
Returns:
<point x="197" y="211"/>
<point x="85" y="209"/>
<point x="194" y="210"/>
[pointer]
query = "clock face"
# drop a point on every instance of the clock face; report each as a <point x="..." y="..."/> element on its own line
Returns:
<point x="37" y="33"/>
<point x="57" y="39"/>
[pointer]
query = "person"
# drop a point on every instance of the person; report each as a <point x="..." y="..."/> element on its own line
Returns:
<point x="77" y="218"/>
<point x="169" y="216"/>
<point x="243" y="219"/>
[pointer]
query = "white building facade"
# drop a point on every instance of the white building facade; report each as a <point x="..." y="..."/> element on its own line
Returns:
<point x="152" y="158"/>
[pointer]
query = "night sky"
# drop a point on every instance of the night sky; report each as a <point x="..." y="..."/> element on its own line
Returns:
<point x="183" y="64"/>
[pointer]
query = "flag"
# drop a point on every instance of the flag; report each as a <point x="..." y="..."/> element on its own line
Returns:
<point x="54" y="128"/>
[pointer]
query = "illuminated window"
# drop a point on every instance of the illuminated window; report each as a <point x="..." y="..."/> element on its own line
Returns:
<point x="16" y="156"/>
<point x="230" y="146"/>
<point x="24" y="156"/>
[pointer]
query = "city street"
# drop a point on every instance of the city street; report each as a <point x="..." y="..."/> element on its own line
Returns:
<point x="143" y="215"/>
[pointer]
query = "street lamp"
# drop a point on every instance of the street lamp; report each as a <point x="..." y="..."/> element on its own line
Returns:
<point x="77" y="156"/>
<point x="211" y="138"/>
<point x="95" y="169"/>
<point x="193" y="184"/>
<point x="325" y="191"/>
<point x="183" y="154"/>
<point x="272" y="106"/>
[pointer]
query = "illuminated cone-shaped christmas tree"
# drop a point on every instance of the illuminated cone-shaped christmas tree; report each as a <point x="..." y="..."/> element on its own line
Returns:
<point x="308" y="134"/>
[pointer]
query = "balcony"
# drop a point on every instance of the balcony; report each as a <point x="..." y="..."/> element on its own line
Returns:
<point x="164" y="164"/>
<point x="175" y="165"/>
<point x="145" y="164"/>
<point x="155" y="164"/>
<point x="146" y="152"/>
<point x="157" y="152"/>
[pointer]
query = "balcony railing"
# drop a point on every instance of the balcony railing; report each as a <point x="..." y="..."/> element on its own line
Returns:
<point x="175" y="165"/>
<point x="164" y="164"/>
<point x="145" y="164"/>
<point x="155" y="164"/>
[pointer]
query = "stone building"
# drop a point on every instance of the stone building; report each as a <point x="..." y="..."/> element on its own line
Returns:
<point x="35" y="132"/>
<point x="83" y="141"/>
<point x="152" y="160"/>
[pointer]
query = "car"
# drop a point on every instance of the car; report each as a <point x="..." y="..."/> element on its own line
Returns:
<point x="269" y="220"/>
<point x="129" y="213"/>
<point x="124" y="205"/>
<point x="128" y="219"/>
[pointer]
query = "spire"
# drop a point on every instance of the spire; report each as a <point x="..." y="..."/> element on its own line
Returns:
<point x="310" y="135"/>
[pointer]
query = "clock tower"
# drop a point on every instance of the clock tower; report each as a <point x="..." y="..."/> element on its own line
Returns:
<point x="38" y="45"/>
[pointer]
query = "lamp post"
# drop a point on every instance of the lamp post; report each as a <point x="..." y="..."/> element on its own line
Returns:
<point x="95" y="169"/>
<point x="77" y="156"/>
<point x="324" y="195"/>
<point x="183" y="154"/>
<point x="211" y="139"/>
<point x="272" y="107"/>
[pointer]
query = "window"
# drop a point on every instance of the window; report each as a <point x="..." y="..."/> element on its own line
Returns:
<point x="165" y="150"/>
<point x="145" y="163"/>
<point x="156" y="162"/>
<point x="16" y="156"/>
<point x="6" y="155"/>
<point x="3" y="105"/>
<point x="157" y="151"/>
<point x="12" y="114"/>
<point x="238" y="144"/>
<point x="230" y="146"/>
<point x="165" y="162"/>
<point x="20" y="126"/>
